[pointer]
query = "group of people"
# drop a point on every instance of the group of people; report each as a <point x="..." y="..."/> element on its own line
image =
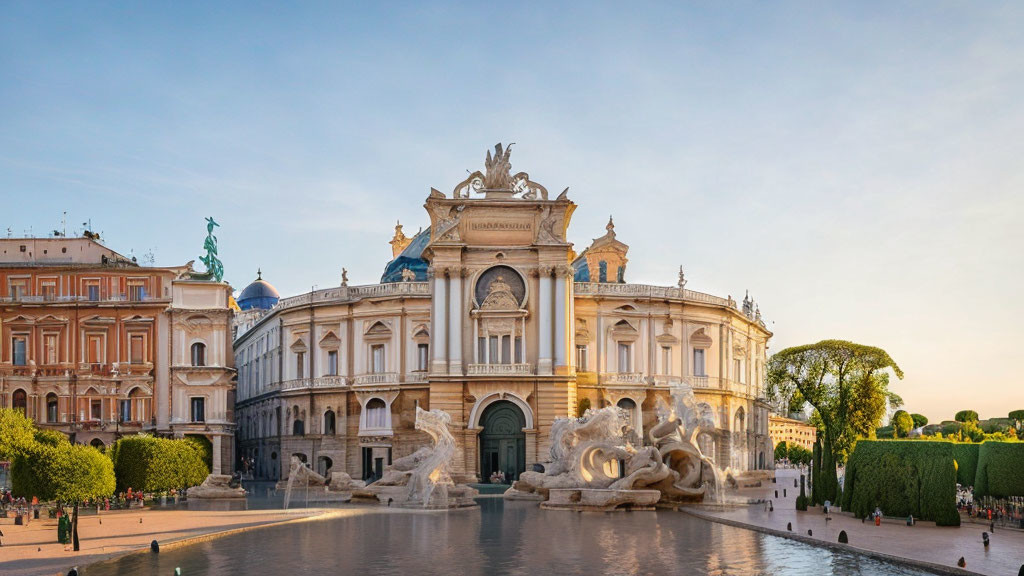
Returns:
<point x="498" y="477"/>
<point x="1001" y="511"/>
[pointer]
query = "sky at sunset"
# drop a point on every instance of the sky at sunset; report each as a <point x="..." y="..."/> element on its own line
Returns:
<point x="858" y="168"/>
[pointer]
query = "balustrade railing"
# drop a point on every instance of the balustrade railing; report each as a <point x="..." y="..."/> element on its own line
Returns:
<point x="500" y="369"/>
<point x="648" y="291"/>
<point x="624" y="378"/>
<point x="346" y="293"/>
<point x="377" y="378"/>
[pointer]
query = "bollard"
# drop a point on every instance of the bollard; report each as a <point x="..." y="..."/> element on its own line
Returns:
<point x="783" y="492"/>
<point x="73" y="571"/>
<point x="843" y="538"/>
<point x="961" y="562"/>
<point x="794" y="482"/>
<point x="789" y="526"/>
<point x="810" y="533"/>
<point x="154" y="546"/>
<point x="776" y="493"/>
<point x="984" y="539"/>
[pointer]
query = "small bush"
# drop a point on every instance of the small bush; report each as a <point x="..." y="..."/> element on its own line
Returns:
<point x="157" y="464"/>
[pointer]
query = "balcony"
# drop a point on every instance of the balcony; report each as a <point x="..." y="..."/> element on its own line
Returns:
<point x="522" y="369"/>
<point x="348" y="293"/>
<point x="648" y="291"/>
<point x="375" y="379"/>
<point x="632" y="378"/>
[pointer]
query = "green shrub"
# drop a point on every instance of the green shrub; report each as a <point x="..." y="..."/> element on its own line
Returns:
<point x="1000" y="469"/>
<point x="902" y="477"/>
<point x="157" y="464"/>
<point x="966" y="456"/>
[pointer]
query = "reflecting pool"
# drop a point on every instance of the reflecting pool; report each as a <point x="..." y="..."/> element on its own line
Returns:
<point x="501" y="538"/>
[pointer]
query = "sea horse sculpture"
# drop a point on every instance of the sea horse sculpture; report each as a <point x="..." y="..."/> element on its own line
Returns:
<point x="433" y="471"/>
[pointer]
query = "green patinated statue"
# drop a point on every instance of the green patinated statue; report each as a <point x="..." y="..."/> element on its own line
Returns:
<point x="214" y="267"/>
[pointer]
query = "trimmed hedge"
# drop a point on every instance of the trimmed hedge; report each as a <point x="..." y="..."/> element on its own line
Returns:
<point x="902" y="477"/>
<point x="966" y="456"/>
<point x="1000" y="469"/>
<point x="157" y="464"/>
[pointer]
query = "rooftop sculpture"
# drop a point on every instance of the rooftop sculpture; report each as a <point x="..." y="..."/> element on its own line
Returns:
<point x="214" y="267"/>
<point x="498" y="182"/>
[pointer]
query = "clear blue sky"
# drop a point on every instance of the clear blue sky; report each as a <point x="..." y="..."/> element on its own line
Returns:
<point x="858" y="168"/>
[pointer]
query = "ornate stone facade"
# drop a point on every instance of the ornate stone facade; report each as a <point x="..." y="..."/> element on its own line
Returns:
<point x="501" y="338"/>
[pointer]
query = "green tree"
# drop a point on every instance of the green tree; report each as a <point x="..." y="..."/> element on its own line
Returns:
<point x="966" y="416"/>
<point x="16" y="433"/>
<point x="902" y="423"/>
<point x="920" y="420"/>
<point x="848" y="386"/>
<point x="781" y="451"/>
<point x="154" y="464"/>
<point x="797" y="454"/>
<point x="65" y="472"/>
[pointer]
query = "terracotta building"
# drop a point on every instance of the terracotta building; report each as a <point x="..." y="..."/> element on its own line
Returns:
<point x="97" y="346"/>
<point x="491" y="316"/>
<point x="791" y="431"/>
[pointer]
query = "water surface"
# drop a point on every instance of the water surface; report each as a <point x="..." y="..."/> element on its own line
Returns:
<point x="503" y="538"/>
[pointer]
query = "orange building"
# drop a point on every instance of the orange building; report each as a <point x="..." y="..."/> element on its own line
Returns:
<point x="791" y="431"/>
<point x="87" y="338"/>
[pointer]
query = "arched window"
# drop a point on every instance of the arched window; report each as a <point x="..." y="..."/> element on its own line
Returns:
<point x="19" y="400"/>
<point x="330" y="426"/>
<point x="740" y="423"/>
<point x="629" y="406"/>
<point x="376" y="413"/>
<point x="199" y="354"/>
<point x="98" y="444"/>
<point x="51" y="407"/>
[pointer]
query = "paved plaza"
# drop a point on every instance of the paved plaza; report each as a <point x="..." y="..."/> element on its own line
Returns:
<point x="33" y="549"/>
<point x="925" y="542"/>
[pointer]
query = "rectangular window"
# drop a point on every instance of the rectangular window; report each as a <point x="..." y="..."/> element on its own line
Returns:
<point x="625" y="358"/>
<point x="50" y="348"/>
<point x="737" y="368"/>
<point x="377" y="358"/>
<point x="698" y="362"/>
<point x="96" y="409"/>
<point x="492" y="351"/>
<point x="95" y="349"/>
<point x="581" y="358"/>
<point x="198" y="410"/>
<point x="136" y="291"/>
<point x="481" y="346"/>
<point x="332" y="362"/>
<point x="300" y="364"/>
<point x="19" y="345"/>
<point x="92" y="291"/>
<point x="666" y="360"/>
<point x="125" y="411"/>
<point x="48" y="291"/>
<point x="17" y="289"/>
<point x="422" y="356"/>
<point x="137" y="349"/>
<point x="519" y="350"/>
<point x="506" y="349"/>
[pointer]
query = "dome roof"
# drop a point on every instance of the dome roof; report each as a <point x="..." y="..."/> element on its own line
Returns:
<point x="410" y="259"/>
<point x="259" y="295"/>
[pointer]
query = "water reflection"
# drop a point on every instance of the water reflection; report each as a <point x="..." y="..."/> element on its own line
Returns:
<point x="502" y="538"/>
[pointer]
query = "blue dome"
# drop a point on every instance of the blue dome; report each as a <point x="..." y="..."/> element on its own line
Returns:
<point x="411" y="258"/>
<point x="259" y="295"/>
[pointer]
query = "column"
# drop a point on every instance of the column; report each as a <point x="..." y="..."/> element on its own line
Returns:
<point x="561" y="320"/>
<point x="437" y="323"/>
<point x="544" y="310"/>
<point x="455" y="321"/>
<point x="216" y="455"/>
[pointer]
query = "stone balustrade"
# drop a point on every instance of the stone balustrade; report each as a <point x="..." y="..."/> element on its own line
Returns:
<point x="377" y="378"/>
<point x="624" y="378"/>
<point x="648" y="291"/>
<point x="522" y="369"/>
<point x="349" y="293"/>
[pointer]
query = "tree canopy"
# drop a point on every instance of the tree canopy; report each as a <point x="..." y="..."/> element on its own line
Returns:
<point x="16" y="433"/>
<point x="966" y="416"/>
<point x="848" y="386"/>
<point x="902" y="423"/>
<point x="64" y="472"/>
<point x="920" y="420"/>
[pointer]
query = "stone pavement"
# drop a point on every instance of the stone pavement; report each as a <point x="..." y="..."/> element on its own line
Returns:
<point x="924" y="542"/>
<point x="33" y="549"/>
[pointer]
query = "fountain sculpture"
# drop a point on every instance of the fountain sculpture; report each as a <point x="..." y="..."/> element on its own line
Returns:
<point x="423" y="479"/>
<point x="594" y="465"/>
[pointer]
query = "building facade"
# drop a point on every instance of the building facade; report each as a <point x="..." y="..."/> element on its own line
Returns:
<point x="791" y="431"/>
<point x="96" y="346"/>
<point x="491" y="316"/>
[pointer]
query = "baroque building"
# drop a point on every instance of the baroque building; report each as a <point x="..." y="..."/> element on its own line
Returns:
<point x="489" y="315"/>
<point x="96" y="346"/>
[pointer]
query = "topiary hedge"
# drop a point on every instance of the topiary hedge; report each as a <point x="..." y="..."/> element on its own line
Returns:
<point x="157" y="464"/>
<point x="902" y="477"/>
<point x="966" y="456"/>
<point x="1000" y="469"/>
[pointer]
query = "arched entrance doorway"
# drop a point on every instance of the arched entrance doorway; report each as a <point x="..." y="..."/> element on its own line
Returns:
<point x="502" y="441"/>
